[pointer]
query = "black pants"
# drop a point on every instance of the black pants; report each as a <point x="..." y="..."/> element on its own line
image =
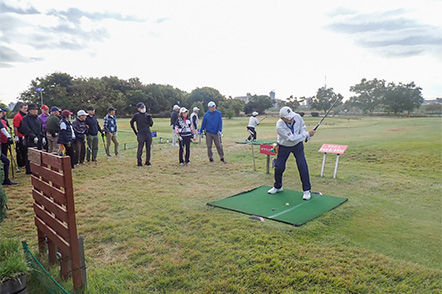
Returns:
<point x="70" y="152"/>
<point x="29" y="143"/>
<point x="21" y="151"/>
<point x="80" y="151"/>
<point x="144" y="139"/>
<point x="185" y="142"/>
<point x="5" y="147"/>
<point x="253" y="135"/>
<point x="5" y="161"/>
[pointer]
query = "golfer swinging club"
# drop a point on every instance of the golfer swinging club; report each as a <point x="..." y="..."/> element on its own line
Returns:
<point x="291" y="135"/>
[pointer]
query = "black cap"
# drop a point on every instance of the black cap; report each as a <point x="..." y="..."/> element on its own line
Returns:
<point x="111" y="109"/>
<point x="32" y="106"/>
<point x="140" y="104"/>
<point x="55" y="108"/>
<point x="90" y="107"/>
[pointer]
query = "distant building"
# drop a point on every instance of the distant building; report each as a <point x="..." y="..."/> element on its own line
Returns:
<point x="244" y="99"/>
<point x="432" y="101"/>
<point x="272" y="95"/>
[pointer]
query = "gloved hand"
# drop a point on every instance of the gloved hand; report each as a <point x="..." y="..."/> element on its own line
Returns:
<point x="43" y="141"/>
<point x="136" y="133"/>
<point x="35" y="140"/>
<point x="16" y="139"/>
<point x="69" y="145"/>
<point x="180" y="138"/>
<point x="10" y="141"/>
<point x="220" y="133"/>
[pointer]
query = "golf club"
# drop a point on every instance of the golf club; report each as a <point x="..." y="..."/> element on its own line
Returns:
<point x="326" y="114"/>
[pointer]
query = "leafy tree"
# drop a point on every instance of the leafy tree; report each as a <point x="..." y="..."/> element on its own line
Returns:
<point x="294" y="102"/>
<point x="402" y="97"/>
<point x="370" y="94"/>
<point x="324" y="99"/>
<point x="258" y="103"/>
<point x="205" y="95"/>
<point x="231" y="107"/>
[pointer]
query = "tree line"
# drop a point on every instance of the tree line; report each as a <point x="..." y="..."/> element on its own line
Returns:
<point x="67" y="92"/>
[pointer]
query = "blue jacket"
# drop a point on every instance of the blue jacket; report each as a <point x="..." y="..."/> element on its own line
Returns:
<point x="212" y="122"/>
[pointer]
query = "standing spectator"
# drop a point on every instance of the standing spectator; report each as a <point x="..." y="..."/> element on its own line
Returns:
<point x="110" y="128"/>
<point x="80" y="129"/>
<point x="144" y="137"/>
<point x="19" y="138"/>
<point x="253" y="122"/>
<point x="195" y="122"/>
<point x="173" y="118"/>
<point x="4" y="157"/>
<point x="93" y="127"/>
<point x="291" y="136"/>
<point x="184" y="130"/>
<point x="213" y="124"/>
<point x="52" y="129"/>
<point x="66" y="135"/>
<point x="3" y="137"/>
<point x="44" y="116"/>
<point x="31" y="127"/>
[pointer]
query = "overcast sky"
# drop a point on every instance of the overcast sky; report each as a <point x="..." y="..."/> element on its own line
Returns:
<point x="291" y="47"/>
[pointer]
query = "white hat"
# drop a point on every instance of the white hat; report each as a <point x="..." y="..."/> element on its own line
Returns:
<point x="286" y="112"/>
<point x="81" y="112"/>
<point x="175" y="107"/>
<point x="255" y="113"/>
<point x="183" y="109"/>
<point x="211" y="104"/>
<point x="195" y="108"/>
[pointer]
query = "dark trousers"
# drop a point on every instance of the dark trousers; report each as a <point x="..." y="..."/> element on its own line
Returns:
<point x="144" y="139"/>
<point x="5" y="148"/>
<point x="21" y="152"/>
<point x="5" y="161"/>
<point x="283" y="155"/>
<point x="29" y="143"/>
<point x="253" y="135"/>
<point x="70" y="152"/>
<point x="80" y="151"/>
<point x="185" y="142"/>
<point x="92" y="143"/>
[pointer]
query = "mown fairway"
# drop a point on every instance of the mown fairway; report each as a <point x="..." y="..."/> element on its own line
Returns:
<point x="148" y="229"/>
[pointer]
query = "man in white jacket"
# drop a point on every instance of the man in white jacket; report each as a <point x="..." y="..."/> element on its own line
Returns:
<point x="253" y="123"/>
<point x="291" y="136"/>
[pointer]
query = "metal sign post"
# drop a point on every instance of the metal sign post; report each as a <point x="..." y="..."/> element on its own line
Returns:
<point x="330" y="148"/>
<point x="267" y="149"/>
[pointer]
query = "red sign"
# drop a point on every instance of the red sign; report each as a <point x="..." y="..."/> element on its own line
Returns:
<point x="330" y="148"/>
<point x="266" y="149"/>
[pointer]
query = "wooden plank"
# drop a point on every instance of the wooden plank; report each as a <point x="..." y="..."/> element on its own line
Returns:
<point x="63" y="246"/>
<point x="59" y="211"/>
<point x="52" y="222"/>
<point x="34" y="156"/>
<point x="41" y="241"/>
<point x="48" y="190"/>
<point x="52" y="160"/>
<point x="47" y="174"/>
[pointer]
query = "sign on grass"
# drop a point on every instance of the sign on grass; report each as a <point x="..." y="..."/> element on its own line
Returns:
<point x="331" y="148"/>
<point x="154" y="134"/>
<point x="266" y="149"/>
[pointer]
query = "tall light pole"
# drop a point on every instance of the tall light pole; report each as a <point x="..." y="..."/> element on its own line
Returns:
<point x="38" y="89"/>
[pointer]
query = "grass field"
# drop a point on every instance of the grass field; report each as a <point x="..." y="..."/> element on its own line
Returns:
<point x="149" y="230"/>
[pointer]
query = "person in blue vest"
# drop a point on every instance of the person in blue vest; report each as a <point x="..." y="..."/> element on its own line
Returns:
<point x="66" y="136"/>
<point x="110" y="129"/>
<point x="213" y="125"/>
<point x="291" y="136"/>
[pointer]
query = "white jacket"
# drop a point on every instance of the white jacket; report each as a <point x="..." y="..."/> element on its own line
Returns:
<point x="253" y="122"/>
<point x="285" y="135"/>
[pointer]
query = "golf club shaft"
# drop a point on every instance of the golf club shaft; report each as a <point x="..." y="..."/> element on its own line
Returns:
<point x="326" y="114"/>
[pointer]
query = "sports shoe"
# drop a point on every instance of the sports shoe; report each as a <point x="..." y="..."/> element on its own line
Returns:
<point x="147" y="163"/>
<point x="181" y="163"/>
<point x="222" y="160"/>
<point x="307" y="195"/>
<point x="211" y="159"/>
<point x="9" y="183"/>
<point x="274" y="190"/>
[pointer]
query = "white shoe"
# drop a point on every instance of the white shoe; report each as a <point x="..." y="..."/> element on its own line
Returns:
<point x="307" y="195"/>
<point x="274" y="190"/>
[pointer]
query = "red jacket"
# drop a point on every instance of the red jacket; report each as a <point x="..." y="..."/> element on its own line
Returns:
<point x="16" y="123"/>
<point x="3" y="138"/>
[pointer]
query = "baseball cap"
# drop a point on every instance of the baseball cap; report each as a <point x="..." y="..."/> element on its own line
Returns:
<point x="211" y="104"/>
<point x="140" y="104"/>
<point x="286" y="112"/>
<point x="90" y="108"/>
<point x="183" y="109"/>
<point x="66" y="112"/>
<point x="44" y="107"/>
<point x="111" y="109"/>
<point x="255" y="113"/>
<point x="195" y="108"/>
<point x="81" y="112"/>
<point x="175" y="107"/>
<point x="32" y="106"/>
<point x="55" y="108"/>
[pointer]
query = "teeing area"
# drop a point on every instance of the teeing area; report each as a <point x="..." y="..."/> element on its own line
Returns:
<point x="286" y="206"/>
